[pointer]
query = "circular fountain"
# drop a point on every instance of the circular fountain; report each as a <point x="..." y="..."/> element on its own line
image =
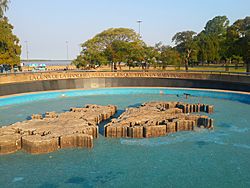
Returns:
<point x="217" y="157"/>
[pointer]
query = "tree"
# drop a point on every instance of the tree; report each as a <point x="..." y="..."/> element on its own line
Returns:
<point x="3" y="7"/>
<point x="217" y="26"/>
<point x="208" y="47"/>
<point x="117" y="52"/>
<point x="127" y="52"/>
<point x="136" y="53"/>
<point x="170" y="56"/>
<point x="167" y="56"/>
<point x="151" y="55"/>
<point x="111" y="45"/>
<point x="236" y="60"/>
<point x="80" y="62"/>
<point x="238" y="40"/>
<point x="102" y="40"/>
<point x="186" y="45"/>
<point x="10" y="49"/>
<point x="216" y="30"/>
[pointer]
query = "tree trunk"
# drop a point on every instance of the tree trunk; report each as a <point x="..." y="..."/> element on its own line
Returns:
<point x="115" y="67"/>
<point x="189" y="51"/>
<point x="226" y="68"/>
<point x="12" y="68"/>
<point x="119" y="65"/>
<point x="248" y="65"/>
<point x="112" y="66"/>
<point x="186" y="65"/>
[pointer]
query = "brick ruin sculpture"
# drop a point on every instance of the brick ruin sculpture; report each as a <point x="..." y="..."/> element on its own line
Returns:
<point x="79" y="126"/>
<point x="156" y="119"/>
<point x="76" y="128"/>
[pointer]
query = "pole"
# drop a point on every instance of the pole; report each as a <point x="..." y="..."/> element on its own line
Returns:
<point x="139" y="23"/>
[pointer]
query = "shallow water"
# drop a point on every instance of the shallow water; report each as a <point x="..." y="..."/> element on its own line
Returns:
<point x="218" y="158"/>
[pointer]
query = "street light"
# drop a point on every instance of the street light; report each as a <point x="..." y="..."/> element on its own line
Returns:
<point x="139" y="23"/>
<point x="27" y="50"/>
<point x="67" y="48"/>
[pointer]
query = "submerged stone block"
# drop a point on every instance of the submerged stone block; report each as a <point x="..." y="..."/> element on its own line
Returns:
<point x="158" y="119"/>
<point x="154" y="131"/>
<point x="135" y="132"/>
<point x="171" y="127"/>
<point x="76" y="140"/>
<point x="185" y="125"/>
<point x="75" y="128"/>
<point x="10" y="143"/>
<point x="37" y="144"/>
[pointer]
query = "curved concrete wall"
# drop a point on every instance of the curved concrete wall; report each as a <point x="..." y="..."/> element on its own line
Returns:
<point x="39" y="76"/>
<point x="105" y="82"/>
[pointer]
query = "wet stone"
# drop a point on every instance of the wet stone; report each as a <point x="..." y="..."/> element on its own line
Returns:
<point x="155" y="119"/>
<point x="75" y="128"/>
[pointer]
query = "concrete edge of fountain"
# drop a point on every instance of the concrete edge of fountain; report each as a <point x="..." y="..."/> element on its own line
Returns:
<point x="42" y="95"/>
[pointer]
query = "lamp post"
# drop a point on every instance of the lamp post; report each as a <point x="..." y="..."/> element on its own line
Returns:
<point x="27" y="50"/>
<point x="139" y="23"/>
<point x="67" y="49"/>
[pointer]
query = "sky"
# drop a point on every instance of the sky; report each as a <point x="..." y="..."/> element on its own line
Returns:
<point x="46" y="25"/>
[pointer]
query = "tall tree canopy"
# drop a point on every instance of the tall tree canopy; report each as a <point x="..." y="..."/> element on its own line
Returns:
<point x="217" y="42"/>
<point x="10" y="49"/>
<point x="217" y="26"/>
<point x="102" y="40"/>
<point x="186" y="46"/>
<point x="238" y="40"/>
<point x="3" y="7"/>
<point x="208" y="47"/>
<point x="112" y="45"/>
<point x="167" y="55"/>
<point x="216" y="30"/>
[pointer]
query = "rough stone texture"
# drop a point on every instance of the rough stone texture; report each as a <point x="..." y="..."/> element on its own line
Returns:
<point x="37" y="144"/>
<point x="76" y="128"/>
<point x="76" y="140"/>
<point x="10" y="143"/>
<point x="156" y="119"/>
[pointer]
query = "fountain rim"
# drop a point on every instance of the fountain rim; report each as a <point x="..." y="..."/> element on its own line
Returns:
<point x="235" y="94"/>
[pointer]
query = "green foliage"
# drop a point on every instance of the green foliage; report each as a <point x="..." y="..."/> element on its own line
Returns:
<point x="186" y="45"/>
<point x="216" y="30"/>
<point x="218" y="42"/>
<point x="102" y="40"/>
<point x="10" y="49"/>
<point x="3" y="7"/>
<point x="151" y="55"/>
<point x="113" y="45"/>
<point x="80" y="62"/>
<point x="217" y="26"/>
<point x="238" y="40"/>
<point x="184" y="40"/>
<point x="208" y="47"/>
<point x="168" y="56"/>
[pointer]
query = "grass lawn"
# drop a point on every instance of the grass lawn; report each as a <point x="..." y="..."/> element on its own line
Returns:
<point x="198" y="68"/>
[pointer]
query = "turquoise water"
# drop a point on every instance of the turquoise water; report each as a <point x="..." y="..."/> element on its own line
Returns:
<point x="218" y="158"/>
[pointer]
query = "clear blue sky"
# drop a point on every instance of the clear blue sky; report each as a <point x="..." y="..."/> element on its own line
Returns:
<point x="48" y="24"/>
